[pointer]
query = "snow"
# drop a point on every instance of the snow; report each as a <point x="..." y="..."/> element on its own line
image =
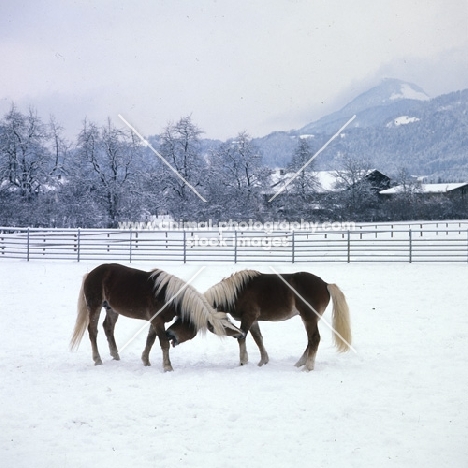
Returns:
<point x="400" y="401"/>
<point x="428" y="188"/>
<point x="408" y="92"/>
<point x="326" y="179"/>
<point x="441" y="188"/>
<point x="403" y="120"/>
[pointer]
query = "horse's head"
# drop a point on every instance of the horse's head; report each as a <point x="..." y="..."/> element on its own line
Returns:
<point x="181" y="331"/>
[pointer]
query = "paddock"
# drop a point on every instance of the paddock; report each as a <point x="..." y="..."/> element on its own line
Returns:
<point x="399" y="401"/>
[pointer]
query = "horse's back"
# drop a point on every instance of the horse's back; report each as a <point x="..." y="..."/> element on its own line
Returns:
<point x="300" y="282"/>
<point x="308" y="281"/>
<point x="312" y="288"/>
<point x="118" y="284"/>
<point x="279" y="297"/>
<point x="266" y="298"/>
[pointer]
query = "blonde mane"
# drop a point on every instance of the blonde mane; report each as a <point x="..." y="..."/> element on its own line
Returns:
<point x="191" y="304"/>
<point x="224" y="293"/>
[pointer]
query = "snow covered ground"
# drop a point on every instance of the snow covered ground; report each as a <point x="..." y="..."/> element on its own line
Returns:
<point x="401" y="401"/>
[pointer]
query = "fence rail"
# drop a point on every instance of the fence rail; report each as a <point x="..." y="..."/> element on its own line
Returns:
<point x="419" y="243"/>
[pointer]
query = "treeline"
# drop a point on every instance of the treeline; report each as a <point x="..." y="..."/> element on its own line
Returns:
<point x="109" y="175"/>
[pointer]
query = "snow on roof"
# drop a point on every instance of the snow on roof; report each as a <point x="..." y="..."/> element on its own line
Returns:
<point x="427" y="188"/>
<point x="440" y="188"/>
<point x="326" y="179"/>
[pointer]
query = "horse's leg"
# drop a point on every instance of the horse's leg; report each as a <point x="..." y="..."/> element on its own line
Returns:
<point x="164" y="343"/>
<point x="246" y="323"/>
<point x="243" y="354"/>
<point x="257" y="336"/>
<point x="149" y="344"/>
<point x="93" y="331"/>
<point x="313" y="340"/>
<point x="302" y="359"/>
<point x="109" y="325"/>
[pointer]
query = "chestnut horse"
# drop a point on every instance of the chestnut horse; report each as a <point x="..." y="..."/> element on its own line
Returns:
<point x="155" y="296"/>
<point x="251" y="296"/>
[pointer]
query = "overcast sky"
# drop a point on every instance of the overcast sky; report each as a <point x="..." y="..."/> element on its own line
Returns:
<point x="234" y="65"/>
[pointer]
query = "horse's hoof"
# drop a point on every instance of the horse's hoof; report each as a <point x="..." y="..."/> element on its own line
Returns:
<point x="116" y="358"/>
<point x="98" y="363"/>
<point x="264" y="360"/>
<point x="168" y="369"/>
<point x="145" y="360"/>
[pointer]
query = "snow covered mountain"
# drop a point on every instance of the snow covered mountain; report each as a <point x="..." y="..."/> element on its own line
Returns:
<point x="374" y="107"/>
<point x="397" y="125"/>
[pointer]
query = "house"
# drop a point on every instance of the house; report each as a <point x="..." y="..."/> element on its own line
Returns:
<point x="377" y="180"/>
<point x="327" y="181"/>
<point x="453" y="190"/>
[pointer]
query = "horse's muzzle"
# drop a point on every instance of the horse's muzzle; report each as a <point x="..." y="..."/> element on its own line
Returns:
<point x="172" y="338"/>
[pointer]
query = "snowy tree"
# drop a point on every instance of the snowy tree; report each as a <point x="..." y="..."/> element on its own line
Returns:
<point x="59" y="147"/>
<point x="296" y="201"/>
<point x="111" y="156"/>
<point x="25" y="160"/>
<point x="406" y="204"/>
<point x="180" y="147"/>
<point x="306" y="183"/>
<point x="355" y="195"/>
<point x="32" y="156"/>
<point x="409" y="184"/>
<point x="237" y="178"/>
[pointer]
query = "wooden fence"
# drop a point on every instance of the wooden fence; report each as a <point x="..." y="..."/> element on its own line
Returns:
<point x="430" y="242"/>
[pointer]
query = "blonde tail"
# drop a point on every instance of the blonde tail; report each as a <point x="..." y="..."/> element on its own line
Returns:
<point x="82" y="319"/>
<point x="341" y="319"/>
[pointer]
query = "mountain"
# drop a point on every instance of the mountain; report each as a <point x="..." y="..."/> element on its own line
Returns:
<point x="373" y="107"/>
<point x="397" y="125"/>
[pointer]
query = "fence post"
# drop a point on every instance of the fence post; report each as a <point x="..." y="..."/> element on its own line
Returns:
<point x="27" y="254"/>
<point x="349" y="246"/>
<point x="292" y="246"/>
<point x="78" y="242"/>
<point x="185" y="245"/>
<point x="235" y="246"/>
<point x="130" y="248"/>
<point x="410" y="247"/>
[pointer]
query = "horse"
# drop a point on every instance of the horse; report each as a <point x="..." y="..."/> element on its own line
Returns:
<point x="155" y="296"/>
<point x="251" y="296"/>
